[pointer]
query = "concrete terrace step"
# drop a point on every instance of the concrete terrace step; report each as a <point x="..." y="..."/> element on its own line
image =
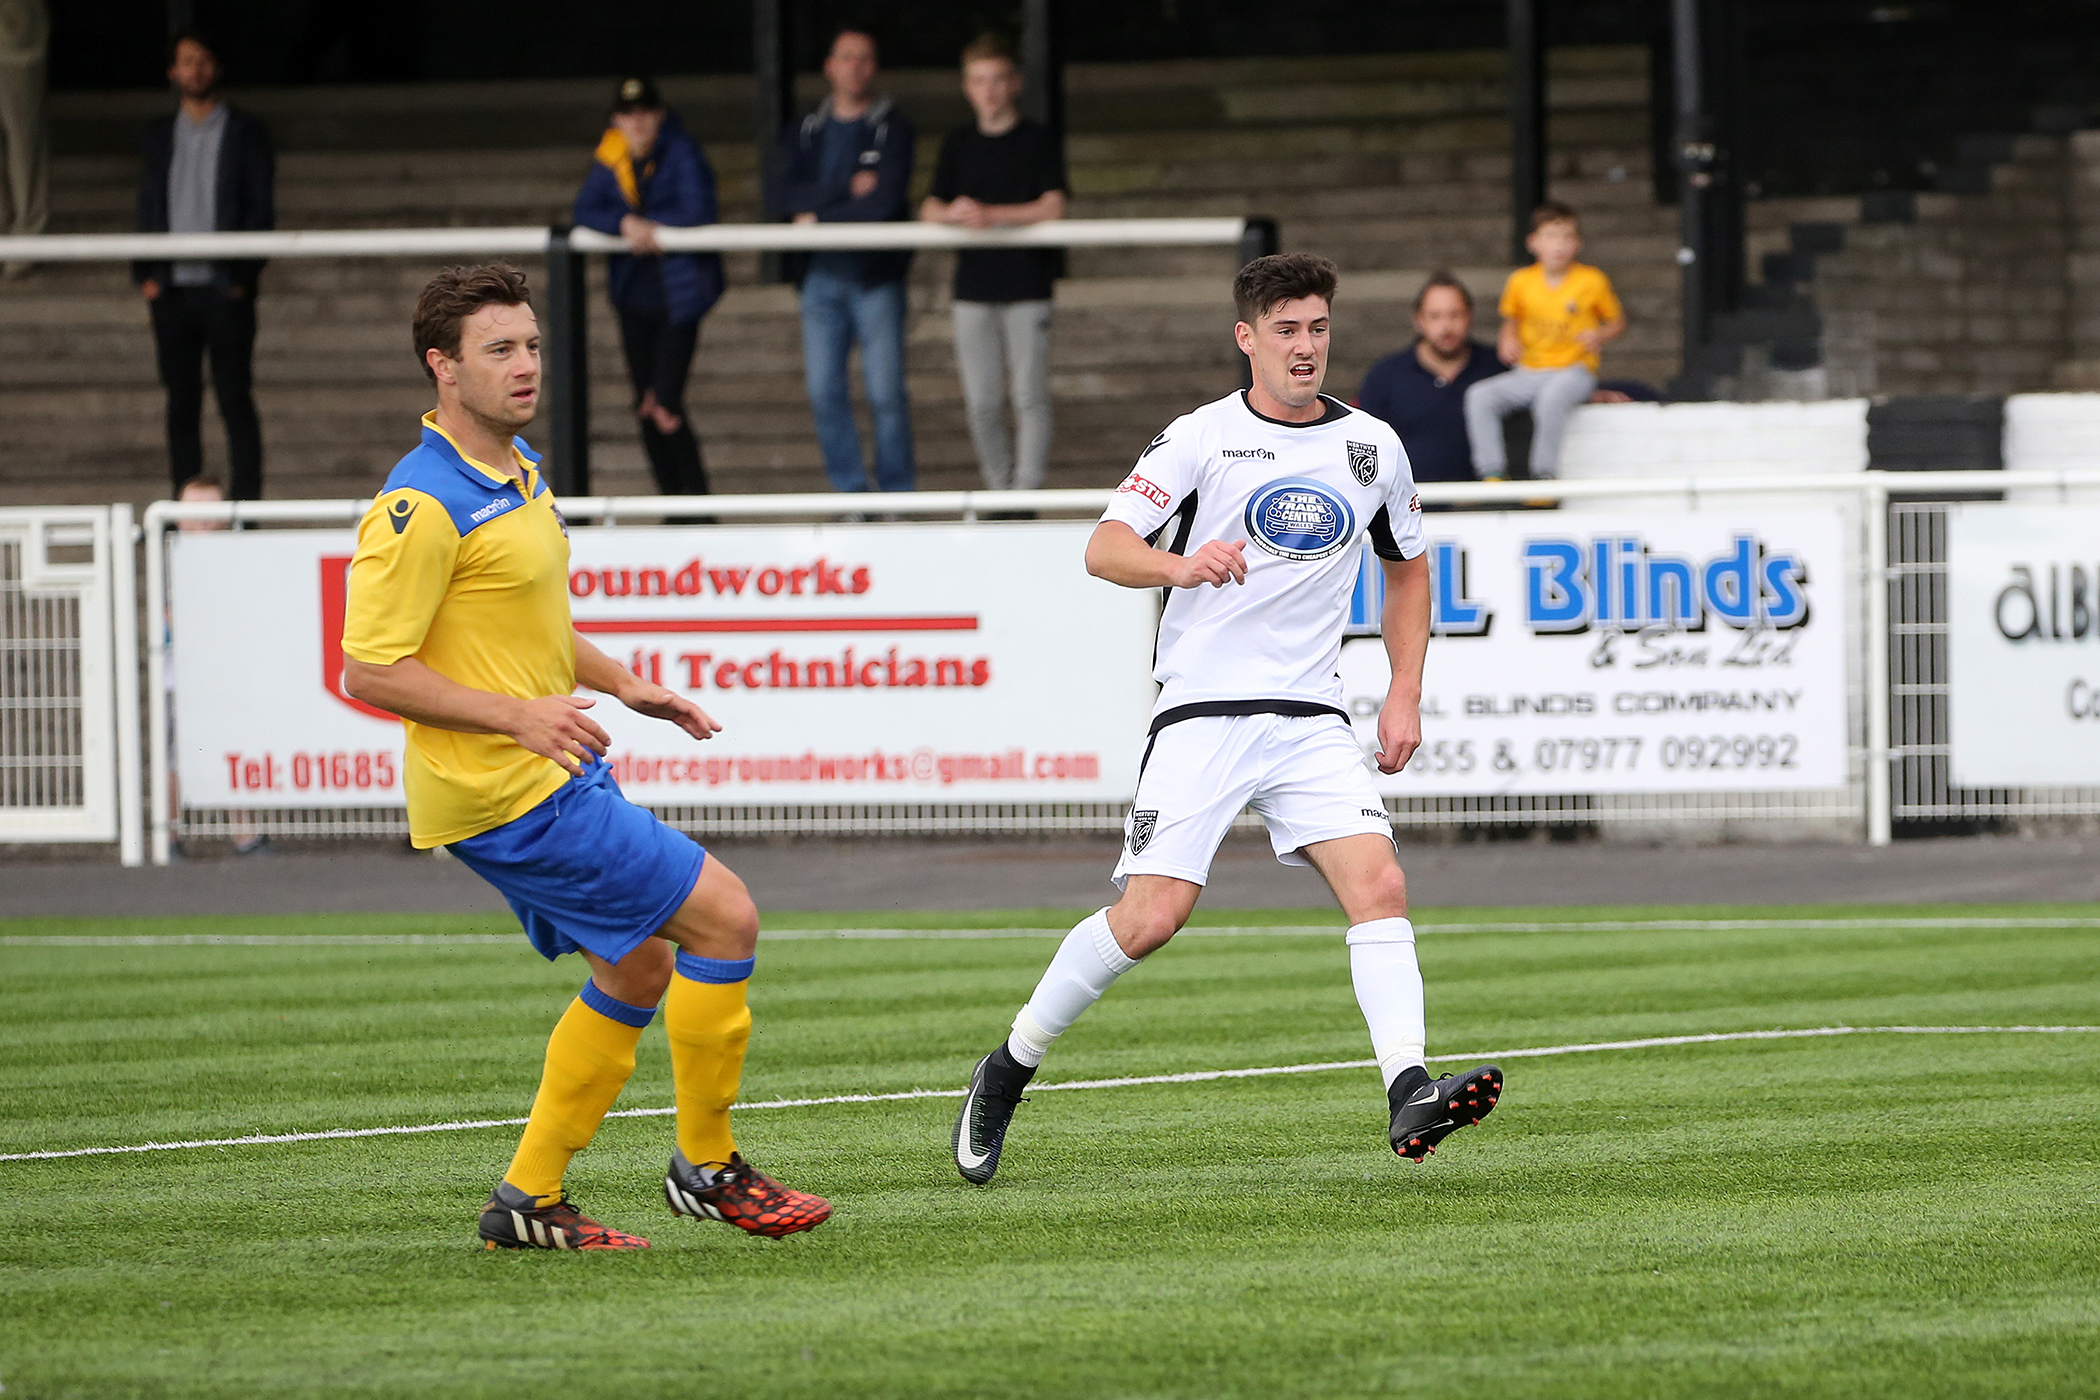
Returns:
<point x="1101" y="97"/>
<point x="1390" y="164"/>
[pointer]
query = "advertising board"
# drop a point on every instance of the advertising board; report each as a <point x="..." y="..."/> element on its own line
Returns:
<point x="2023" y="645"/>
<point x="1623" y="651"/>
<point x="947" y="663"/>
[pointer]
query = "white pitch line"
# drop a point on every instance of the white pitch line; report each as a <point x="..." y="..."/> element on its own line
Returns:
<point x="1130" y="1081"/>
<point x="362" y="940"/>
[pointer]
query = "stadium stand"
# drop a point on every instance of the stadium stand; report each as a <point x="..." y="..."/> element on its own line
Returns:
<point x="1390" y="164"/>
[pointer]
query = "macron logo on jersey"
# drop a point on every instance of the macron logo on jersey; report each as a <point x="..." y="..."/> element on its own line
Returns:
<point x="495" y="507"/>
<point x="1137" y="485"/>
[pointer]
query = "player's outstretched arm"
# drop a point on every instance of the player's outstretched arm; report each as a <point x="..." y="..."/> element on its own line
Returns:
<point x="1405" y="623"/>
<point x="1119" y="554"/>
<point x="552" y="726"/>
<point x="600" y="672"/>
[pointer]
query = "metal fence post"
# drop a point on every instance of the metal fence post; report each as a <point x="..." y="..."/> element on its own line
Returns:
<point x="1527" y="122"/>
<point x="567" y="370"/>
<point x="159" y="793"/>
<point x="1880" y="775"/>
<point x="1259" y="239"/>
<point x="124" y="656"/>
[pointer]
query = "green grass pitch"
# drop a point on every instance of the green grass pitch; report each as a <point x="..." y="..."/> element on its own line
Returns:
<point x="1865" y="1216"/>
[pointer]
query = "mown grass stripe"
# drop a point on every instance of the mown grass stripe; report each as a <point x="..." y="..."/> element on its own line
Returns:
<point x="1130" y="1081"/>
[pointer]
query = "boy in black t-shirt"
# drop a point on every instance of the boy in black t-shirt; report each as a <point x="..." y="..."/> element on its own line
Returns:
<point x="1002" y="171"/>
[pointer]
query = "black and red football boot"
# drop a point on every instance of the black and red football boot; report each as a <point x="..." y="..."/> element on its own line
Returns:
<point x="511" y="1221"/>
<point x="737" y="1193"/>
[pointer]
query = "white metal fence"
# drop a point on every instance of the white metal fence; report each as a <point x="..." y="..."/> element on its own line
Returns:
<point x="1920" y="681"/>
<point x="71" y="649"/>
<point x="1859" y="803"/>
<point x="68" y="710"/>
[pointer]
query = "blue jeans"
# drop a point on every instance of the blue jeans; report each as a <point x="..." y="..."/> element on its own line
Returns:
<point x="837" y="312"/>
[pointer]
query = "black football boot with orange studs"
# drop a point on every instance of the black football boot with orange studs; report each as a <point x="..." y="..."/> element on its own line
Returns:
<point x="1426" y="1111"/>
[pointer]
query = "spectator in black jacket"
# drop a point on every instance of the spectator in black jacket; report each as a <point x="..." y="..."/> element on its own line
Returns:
<point x="207" y="167"/>
<point x="850" y="162"/>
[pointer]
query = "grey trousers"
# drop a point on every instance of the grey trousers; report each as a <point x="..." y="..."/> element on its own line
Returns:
<point x="1550" y="394"/>
<point x="24" y="167"/>
<point x="997" y="344"/>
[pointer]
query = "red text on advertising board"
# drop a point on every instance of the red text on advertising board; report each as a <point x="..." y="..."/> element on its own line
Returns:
<point x="818" y="578"/>
<point x="845" y="670"/>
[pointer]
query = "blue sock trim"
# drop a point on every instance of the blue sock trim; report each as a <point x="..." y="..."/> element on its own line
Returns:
<point x="698" y="969"/>
<point x="613" y="1009"/>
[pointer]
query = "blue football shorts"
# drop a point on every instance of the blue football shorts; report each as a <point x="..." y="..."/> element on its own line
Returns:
<point x="587" y="869"/>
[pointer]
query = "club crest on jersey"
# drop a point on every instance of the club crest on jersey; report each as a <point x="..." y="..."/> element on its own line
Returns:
<point x="1142" y="825"/>
<point x="1363" y="462"/>
<point x="1299" y="518"/>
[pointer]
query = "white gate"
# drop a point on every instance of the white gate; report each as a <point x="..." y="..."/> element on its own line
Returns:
<point x="67" y="614"/>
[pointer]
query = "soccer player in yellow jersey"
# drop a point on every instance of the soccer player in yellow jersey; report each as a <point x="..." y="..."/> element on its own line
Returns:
<point x="458" y="621"/>
<point x="1556" y="313"/>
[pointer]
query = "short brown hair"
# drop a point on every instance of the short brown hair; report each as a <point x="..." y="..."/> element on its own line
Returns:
<point x="456" y="293"/>
<point x="1442" y="278"/>
<point x="1553" y="212"/>
<point x="990" y="46"/>
<point x="1280" y="277"/>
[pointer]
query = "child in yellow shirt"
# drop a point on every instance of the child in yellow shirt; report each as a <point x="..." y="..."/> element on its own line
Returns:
<point x="1555" y="315"/>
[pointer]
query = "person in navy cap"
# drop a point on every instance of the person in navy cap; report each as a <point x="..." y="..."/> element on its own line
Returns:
<point x="647" y="174"/>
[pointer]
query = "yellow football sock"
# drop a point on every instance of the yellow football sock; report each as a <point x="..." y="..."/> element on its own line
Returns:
<point x="589" y="1057"/>
<point x="708" y="1023"/>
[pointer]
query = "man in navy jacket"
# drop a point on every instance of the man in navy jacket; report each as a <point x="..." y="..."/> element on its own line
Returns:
<point x="1421" y="391"/>
<point x="648" y="173"/>
<point x="207" y="167"/>
<point x="850" y="162"/>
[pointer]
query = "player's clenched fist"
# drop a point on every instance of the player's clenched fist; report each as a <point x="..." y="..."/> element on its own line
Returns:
<point x="556" y="727"/>
<point x="1216" y="563"/>
<point x="1399" y="734"/>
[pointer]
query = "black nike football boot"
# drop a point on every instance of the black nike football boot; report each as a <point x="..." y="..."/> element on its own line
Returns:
<point x="987" y="1107"/>
<point x="1426" y="1111"/>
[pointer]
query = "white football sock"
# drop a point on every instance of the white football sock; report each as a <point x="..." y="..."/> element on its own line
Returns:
<point x="1087" y="963"/>
<point x="1389" y="989"/>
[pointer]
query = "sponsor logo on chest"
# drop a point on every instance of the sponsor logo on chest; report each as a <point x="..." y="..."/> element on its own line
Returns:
<point x="492" y="509"/>
<point x="1299" y="518"/>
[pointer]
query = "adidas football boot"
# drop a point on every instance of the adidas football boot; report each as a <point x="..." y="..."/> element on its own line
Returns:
<point x="1425" y="1113"/>
<point x="737" y="1193"/>
<point x="511" y="1221"/>
<point x="987" y="1107"/>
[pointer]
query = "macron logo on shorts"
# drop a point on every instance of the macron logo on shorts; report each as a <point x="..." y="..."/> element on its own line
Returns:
<point x="1137" y="485"/>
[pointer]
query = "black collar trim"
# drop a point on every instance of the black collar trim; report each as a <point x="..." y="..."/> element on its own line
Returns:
<point x="1336" y="410"/>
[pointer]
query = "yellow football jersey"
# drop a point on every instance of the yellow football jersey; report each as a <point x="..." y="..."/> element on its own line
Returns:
<point x="467" y="570"/>
<point x="1549" y="318"/>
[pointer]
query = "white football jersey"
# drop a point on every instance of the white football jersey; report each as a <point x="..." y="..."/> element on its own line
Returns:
<point x="1303" y="496"/>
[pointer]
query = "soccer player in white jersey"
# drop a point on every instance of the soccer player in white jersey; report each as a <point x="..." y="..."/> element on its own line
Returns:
<point x="1279" y="484"/>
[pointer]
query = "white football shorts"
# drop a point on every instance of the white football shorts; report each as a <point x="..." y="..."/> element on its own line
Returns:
<point x="1304" y="776"/>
